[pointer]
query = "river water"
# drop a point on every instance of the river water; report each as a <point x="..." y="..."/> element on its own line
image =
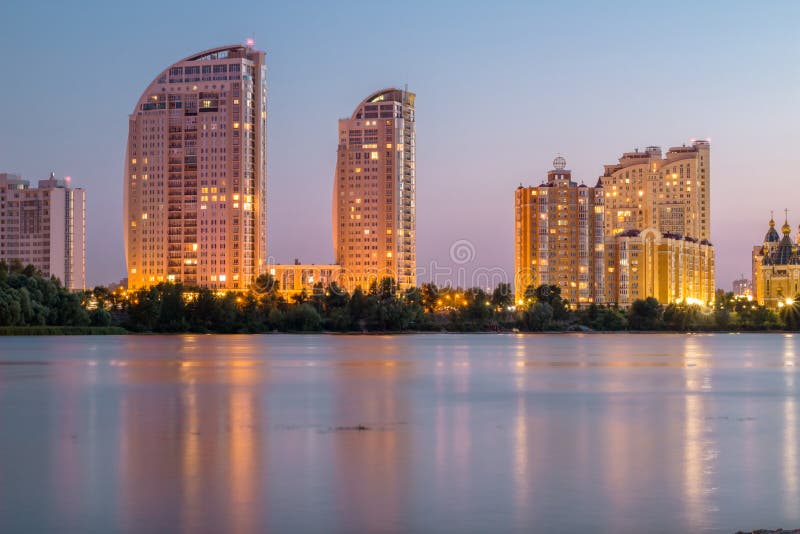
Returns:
<point x="414" y="433"/>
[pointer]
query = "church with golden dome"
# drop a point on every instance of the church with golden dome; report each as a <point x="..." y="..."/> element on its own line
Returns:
<point x="776" y="267"/>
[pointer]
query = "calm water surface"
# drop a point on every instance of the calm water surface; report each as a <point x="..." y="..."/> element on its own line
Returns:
<point x="460" y="433"/>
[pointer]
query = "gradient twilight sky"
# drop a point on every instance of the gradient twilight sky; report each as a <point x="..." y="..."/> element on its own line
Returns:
<point x="501" y="88"/>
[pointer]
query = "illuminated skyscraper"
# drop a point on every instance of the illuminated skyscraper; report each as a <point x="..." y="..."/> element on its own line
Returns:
<point x="45" y="227"/>
<point x="374" y="210"/>
<point x="559" y="237"/>
<point x="195" y="173"/>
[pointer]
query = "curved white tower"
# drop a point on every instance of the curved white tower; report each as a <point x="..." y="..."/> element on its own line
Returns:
<point x="374" y="206"/>
<point x="196" y="173"/>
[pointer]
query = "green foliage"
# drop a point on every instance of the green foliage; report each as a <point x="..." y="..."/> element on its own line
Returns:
<point x="29" y="299"/>
<point x="607" y="319"/>
<point x="539" y="317"/>
<point x="31" y="304"/>
<point x="645" y="314"/>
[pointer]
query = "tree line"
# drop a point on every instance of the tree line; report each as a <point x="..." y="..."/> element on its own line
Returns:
<point x="28" y="299"/>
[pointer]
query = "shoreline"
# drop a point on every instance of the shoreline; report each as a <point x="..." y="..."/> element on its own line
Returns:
<point x="35" y="331"/>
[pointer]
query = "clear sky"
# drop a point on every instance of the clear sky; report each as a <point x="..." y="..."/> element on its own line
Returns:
<point x="501" y="88"/>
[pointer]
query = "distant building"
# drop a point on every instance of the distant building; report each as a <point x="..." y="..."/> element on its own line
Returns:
<point x="776" y="268"/>
<point x="374" y="206"/>
<point x="743" y="287"/>
<point x="196" y="173"/>
<point x="293" y="279"/>
<point x="559" y="237"/>
<point x="44" y="227"/>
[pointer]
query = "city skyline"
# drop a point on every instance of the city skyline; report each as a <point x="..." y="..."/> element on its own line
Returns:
<point x="531" y="99"/>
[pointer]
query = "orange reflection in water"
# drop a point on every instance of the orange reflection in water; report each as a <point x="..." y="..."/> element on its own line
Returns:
<point x="791" y="499"/>
<point x="700" y="450"/>
<point x="203" y="446"/>
<point x="372" y="465"/>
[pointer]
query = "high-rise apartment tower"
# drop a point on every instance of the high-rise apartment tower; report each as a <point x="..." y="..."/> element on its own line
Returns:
<point x="374" y="210"/>
<point x="195" y="173"/>
<point x="558" y="237"/>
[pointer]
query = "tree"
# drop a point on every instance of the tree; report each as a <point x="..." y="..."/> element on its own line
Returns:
<point x="502" y="296"/>
<point x="538" y="317"/>
<point x="645" y="314"/>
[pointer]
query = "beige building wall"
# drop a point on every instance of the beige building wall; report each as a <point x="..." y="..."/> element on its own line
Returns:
<point x="195" y="173"/>
<point x="374" y="194"/>
<point x="44" y="227"/>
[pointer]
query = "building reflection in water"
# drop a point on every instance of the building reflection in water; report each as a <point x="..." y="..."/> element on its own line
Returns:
<point x="528" y="433"/>
<point x="371" y="475"/>
<point x="700" y="448"/>
<point x="190" y="452"/>
<point x="791" y="499"/>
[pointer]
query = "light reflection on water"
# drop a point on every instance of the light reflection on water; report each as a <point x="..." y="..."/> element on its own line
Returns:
<point x="489" y="433"/>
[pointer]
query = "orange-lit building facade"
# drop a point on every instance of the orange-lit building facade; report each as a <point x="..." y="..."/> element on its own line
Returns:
<point x="644" y="231"/>
<point x="559" y="237"/>
<point x="670" y="194"/>
<point x="668" y="267"/>
<point x="374" y="204"/>
<point x="195" y="173"/>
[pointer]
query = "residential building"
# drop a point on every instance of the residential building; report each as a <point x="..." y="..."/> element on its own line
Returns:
<point x="642" y="231"/>
<point x="670" y="194"/>
<point x="559" y="237"/>
<point x="374" y="209"/>
<point x="195" y="173"/>
<point x="668" y="267"/>
<point x="45" y="227"/>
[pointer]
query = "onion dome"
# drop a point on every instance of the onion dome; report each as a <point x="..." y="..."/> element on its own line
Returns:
<point x="772" y="234"/>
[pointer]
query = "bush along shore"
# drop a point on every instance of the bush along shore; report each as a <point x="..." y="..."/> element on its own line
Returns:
<point x="32" y="304"/>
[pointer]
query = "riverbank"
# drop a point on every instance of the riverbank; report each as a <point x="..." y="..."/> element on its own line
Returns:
<point x="45" y="330"/>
